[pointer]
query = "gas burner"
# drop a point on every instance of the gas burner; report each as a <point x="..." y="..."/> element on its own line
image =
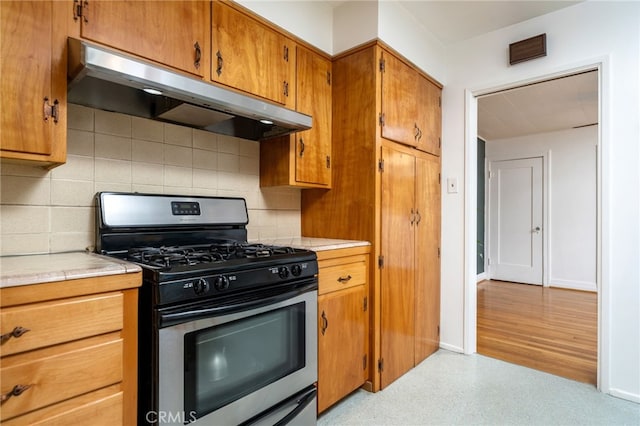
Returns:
<point x="169" y="256"/>
<point x="166" y="257"/>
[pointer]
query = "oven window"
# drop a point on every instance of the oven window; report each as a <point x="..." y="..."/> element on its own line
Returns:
<point x="226" y="362"/>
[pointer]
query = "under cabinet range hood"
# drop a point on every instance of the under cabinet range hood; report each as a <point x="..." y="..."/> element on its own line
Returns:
<point x="110" y="80"/>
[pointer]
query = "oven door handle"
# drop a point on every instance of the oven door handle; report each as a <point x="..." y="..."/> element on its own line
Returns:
<point x="283" y="414"/>
<point x="180" y="315"/>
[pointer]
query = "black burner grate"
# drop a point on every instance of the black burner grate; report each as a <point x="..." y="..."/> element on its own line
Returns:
<point x="166" y="257"/>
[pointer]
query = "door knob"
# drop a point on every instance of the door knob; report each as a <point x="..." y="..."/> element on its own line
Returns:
<point x="536" y="229"/>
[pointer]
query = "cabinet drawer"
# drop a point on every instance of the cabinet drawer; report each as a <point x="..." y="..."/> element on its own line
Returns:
<point x="103" y="407"/>
<point x="60" y="372"/>
<point x="60" y="321"/>
<point x="341" y="276"/>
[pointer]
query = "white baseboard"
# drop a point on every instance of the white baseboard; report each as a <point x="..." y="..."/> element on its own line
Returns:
<point x="573" y="285"/>
<point x="481" y="277"/>
<point x="451" y="348"/>
<point x="625" y="395"/>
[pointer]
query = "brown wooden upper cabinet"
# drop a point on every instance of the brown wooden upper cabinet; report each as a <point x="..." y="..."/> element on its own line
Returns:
<point x="33" y="88"/>
<point x="411" y="112"/>
<point x="173" y="33"/>
<point x="304" y="158"/>
<point x="251" y="56"/>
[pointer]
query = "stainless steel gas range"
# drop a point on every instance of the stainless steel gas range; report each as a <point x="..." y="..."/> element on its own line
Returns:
<point x="227" y="329"/>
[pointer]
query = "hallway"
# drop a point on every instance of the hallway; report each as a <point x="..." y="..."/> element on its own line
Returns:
<point x="545" y="328"/>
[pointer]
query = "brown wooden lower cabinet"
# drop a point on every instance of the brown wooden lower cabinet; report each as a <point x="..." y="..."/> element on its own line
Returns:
<point x="342" y="323"/>
<point x="69" y="352"/>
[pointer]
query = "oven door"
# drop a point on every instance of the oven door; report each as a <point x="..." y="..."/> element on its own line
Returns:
<point x="226" y="368"/>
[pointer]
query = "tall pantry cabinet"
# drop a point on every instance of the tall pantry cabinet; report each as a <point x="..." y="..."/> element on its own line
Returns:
<point x="386" y="190"/>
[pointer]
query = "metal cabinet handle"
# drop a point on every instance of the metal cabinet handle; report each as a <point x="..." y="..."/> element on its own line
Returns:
<point x="51" y="110"/>
<point x="16" y="391"/>
<point x="301" y="147"/>
<point x="16" y="332"/>
<point x="220" y="63"/>
<point x="419" y="134"/>
<point x="416" y="131"/>
<point x="419" y="217"/>
<point x="413" y="217"/>
<point x="344" y="279"/>
<point x="198" y="56"/>
<point x="325" y="323"/>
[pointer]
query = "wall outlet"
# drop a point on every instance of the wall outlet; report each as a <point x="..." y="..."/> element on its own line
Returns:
<point x="452" y="185"/>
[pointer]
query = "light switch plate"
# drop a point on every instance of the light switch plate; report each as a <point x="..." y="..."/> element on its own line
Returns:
<point x="452" y="185"/>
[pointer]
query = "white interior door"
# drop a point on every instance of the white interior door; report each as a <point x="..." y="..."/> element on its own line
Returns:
<point x="515" y="220"/>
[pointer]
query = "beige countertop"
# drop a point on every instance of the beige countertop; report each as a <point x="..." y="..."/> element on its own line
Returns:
<point x="43" y="268"/>
<point x="315" y="244"/>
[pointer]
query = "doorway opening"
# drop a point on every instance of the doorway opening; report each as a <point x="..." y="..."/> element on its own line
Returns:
<point x="544" y="249"/>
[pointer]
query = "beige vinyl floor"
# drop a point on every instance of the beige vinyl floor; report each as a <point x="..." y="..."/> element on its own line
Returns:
<point x="455" y="389"/>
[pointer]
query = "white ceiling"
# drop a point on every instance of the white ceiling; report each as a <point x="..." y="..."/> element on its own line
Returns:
<point x="544" y="107"/>
<point x="451" y="21"/>
<point x="550" y="106"/>
<point x="553" y="105"/>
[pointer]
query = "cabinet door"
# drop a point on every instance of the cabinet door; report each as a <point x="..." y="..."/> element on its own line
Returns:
<point x="173" y="33"/>
<point x="249" y="56"/>
<point x="341" y="344"/>
<point x="430" y="117"/>
<point x="25" y="67"/>
<point x="427" y="265"/>
<point x="313" y="146"/>
<point x="399" y="107"/>
<point x="397" y="274"/>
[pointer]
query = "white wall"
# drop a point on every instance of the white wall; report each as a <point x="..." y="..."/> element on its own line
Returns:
<point x="583" y="34"/>
<point x="571" y="228"/>
<point x="354" y="23"/>
<point x="400" y="30"/>
<point x="312" y="21"/>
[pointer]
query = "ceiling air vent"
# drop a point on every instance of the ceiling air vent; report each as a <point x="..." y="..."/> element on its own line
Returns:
<point x="525" y="50"/>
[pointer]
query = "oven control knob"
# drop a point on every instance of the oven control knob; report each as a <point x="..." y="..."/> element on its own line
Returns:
<point x="221" y="283"/>
<point x="201" y="286"/>
<point x="283" y="271"/>
<point x="296" y="270"/>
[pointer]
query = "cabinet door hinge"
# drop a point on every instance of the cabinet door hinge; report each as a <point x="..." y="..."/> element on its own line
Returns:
<point x="285" y="87"/>
<point x="381" y="261"/>
<point x="440" y="101"/>
<point x="438" y="252"/>
<point x="364" y="362"/>
<point x="438" y="330"/>
<point x="380" y="365"/>
<point x="365" y="304"/>
<point x="439" y="179"/>
<point x="381" y="119"/>
<point x="328" y="162"/>
<point x="381" y="165"/>
<point x="78" y="10"/>
<point x="286" y="53"/>
<point x="328" y="78"/>
<point x="489" y="174"/>
<point x="439" y="142"/>
<point x="51" y="110"/>
<point x="381" y="65"/>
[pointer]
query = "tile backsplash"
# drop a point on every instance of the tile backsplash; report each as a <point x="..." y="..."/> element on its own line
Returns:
<point x="53" y="211"/>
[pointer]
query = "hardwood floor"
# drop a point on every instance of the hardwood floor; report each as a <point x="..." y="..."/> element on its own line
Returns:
<point x="548" y="329"/>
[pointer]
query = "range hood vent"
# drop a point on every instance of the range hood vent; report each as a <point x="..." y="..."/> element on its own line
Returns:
<point x="106" y="79"/>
